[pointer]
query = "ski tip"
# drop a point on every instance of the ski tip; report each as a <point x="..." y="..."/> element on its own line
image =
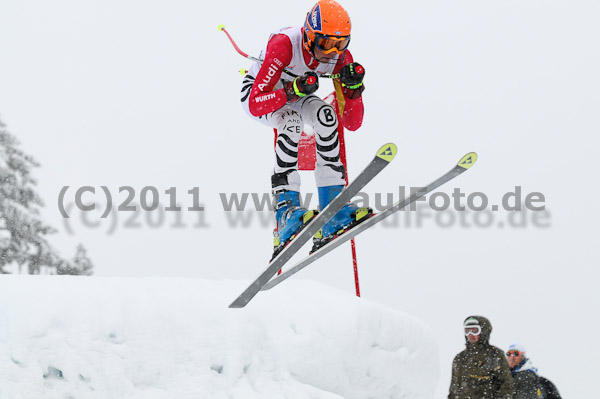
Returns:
<point x="237" y="304"/>
<point x="221" y="27"/>
<point x="387" y="152"/>
<point x="468" y="160"/>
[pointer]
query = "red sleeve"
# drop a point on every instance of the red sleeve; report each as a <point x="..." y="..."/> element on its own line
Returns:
<point x="354" y="109"/>
<point x="263" y="99"/>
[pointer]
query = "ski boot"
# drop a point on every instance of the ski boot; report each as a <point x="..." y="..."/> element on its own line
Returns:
<point x="348" y="217"/>
<point x="291" y="218"/>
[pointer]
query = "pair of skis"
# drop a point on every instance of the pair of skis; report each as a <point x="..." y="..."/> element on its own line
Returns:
<point x="382" y="158"/>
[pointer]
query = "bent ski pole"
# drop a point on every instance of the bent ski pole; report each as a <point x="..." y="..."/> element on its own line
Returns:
<point x="245" y="55"/>
<point x="235" y="46"/>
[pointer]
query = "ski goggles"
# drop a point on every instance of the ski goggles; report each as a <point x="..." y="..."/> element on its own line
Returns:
<point x="328" y="44"/>
<point x="472" y="330"/>
<point x="513" y="353"/>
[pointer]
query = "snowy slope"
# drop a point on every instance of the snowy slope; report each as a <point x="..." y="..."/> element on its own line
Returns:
<point x="69" y="337"/>
<point x="146" y="93"/>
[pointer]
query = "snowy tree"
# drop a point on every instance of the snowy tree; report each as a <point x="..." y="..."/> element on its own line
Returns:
<point x="22" y="232"/>
<point x="80" y="266"/>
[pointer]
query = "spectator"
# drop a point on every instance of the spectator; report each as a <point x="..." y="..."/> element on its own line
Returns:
<point x="528" y="384"/>
<point x="481" y="370"/>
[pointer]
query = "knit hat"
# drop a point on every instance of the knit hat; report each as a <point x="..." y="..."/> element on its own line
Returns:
<point x="516" y="347"/>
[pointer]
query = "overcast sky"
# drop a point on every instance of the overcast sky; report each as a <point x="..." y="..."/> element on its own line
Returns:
<point x="145" y="93"/>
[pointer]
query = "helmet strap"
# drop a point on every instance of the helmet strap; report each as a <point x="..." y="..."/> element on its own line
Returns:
<point x="311" y="48"/>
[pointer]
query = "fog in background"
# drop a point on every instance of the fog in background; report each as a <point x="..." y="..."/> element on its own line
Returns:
<point x="146" y="93"/>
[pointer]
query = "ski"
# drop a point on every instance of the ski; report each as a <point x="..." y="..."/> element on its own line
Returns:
<point x="465" y="163"/>
<point x="383" y="157"/>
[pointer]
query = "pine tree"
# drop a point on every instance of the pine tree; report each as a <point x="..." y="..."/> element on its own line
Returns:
<point x="22" y="232"/>
<point x="80" y="266"/>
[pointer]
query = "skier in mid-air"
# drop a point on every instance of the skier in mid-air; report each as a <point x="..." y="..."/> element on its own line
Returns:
<point x="286" y="101"/>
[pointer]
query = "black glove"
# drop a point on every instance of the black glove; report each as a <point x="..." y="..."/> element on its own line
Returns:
<point x="302" y="86"/>
<point x="352" y="75"/>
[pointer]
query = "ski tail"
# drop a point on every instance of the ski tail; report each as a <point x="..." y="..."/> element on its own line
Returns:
<point x="463" y="165"/>
<point x="385" y="154"/>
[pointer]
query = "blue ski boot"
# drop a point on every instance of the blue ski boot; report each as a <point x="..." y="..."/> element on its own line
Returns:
<point x="349" y="216"/>
<point x="291" y="218"/>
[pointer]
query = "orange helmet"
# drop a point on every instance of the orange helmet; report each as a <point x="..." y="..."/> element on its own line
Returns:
<point x="327" y="26"/>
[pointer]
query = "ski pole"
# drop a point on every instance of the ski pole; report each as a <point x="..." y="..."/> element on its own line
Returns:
<point x="245" y="55"/>
<point x="235" y="46"/>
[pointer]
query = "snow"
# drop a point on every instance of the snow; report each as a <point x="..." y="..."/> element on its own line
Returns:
<point x="91" y="337"/>
<point x="146" y="93"/>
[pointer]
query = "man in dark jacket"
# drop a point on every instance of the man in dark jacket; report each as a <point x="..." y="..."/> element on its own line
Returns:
<point x="481" y="370"/>
<point x="528" y="384"/>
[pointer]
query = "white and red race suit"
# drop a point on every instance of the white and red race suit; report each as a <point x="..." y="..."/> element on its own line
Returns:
<point x="264" y="98"/>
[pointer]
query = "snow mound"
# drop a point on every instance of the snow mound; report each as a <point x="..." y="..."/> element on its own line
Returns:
<point x="87" y="337"/>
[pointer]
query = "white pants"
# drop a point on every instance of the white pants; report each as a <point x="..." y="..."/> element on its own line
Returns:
<point x="289" y="122"/>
